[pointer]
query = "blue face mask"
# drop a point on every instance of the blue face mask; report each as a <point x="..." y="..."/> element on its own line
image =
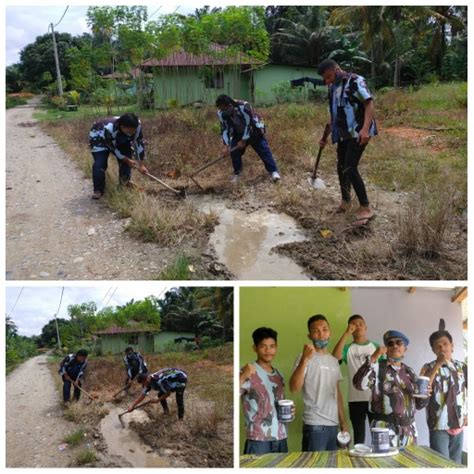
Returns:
<point x="320" y="343"/>
<point x="395" y="359"/>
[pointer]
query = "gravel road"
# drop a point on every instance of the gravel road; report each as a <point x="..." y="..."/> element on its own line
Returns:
<point x="54" y="230"/>
<point x="35" y="427"/>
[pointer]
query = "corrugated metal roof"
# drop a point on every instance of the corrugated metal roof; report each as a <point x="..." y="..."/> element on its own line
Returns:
<point x="119" y="330"/>
<point x="183" y="58"/>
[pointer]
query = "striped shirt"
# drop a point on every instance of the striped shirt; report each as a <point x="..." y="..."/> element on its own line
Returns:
<point x="241" y="124"/>
<point x="167" y="380"/>
<point x="105" y="135"/>
<point x="134" y="364"/>
<point x="71" y="366"/>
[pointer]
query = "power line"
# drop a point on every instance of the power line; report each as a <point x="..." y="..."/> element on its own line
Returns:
<point x="17" y="298"/>
<point x="62" y="17"/>
<point x="155" y="12"/>
<point x="103" y="299"/>
<point x="116" y="288"/>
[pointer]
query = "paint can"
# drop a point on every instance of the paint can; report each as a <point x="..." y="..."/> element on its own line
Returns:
<point x="422" y="384"/>
<point x="380" y="440"/>
<point x="285" y="410"/>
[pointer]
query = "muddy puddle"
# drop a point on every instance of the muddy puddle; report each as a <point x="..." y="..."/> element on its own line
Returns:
<point x="243" y="242"/>
<point x="122" y="441"/>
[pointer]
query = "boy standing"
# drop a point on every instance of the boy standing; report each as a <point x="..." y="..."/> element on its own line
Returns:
<point x="447" y="408"/>
<point x="354" y="355"/>
<point x="317" y="373"/>
<point x="261" y="386"/>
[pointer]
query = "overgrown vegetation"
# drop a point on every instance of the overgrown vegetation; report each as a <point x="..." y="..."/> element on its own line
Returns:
<point x="391" y="45"/>
<point x="421" y="150"/>
<point x="206" y="311"/>
<point x="18" y="348"/>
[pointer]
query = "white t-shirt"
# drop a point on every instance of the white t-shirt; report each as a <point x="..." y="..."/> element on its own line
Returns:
<point x="355" y="355"/>
<point x="321" y="375"/>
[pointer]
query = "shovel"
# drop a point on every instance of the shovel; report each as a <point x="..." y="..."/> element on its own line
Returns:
<point x="92" y="397"/>
<point x="207" y="165"/>
<point x="314" y="180"/>
<point x="120" y="391"/>
<point x="179" y="192"/>
<point x="138" y="406"/>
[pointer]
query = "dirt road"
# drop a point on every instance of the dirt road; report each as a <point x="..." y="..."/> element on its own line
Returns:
<point x="54" y="230"/>
<point x="35" y="427"/>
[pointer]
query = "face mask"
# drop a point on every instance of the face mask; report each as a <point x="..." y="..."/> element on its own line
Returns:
<point x="225" y="115"/>
<point x="395" y="359"/>
<point x="321" y="343"/>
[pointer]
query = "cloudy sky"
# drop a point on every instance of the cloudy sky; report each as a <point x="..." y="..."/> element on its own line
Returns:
<point x="25" y="23"/>
<point x="37" y="305"/>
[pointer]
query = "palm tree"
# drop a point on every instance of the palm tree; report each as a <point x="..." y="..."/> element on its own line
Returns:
<point x="306" y="39"/>
<point x="370" y="22"/>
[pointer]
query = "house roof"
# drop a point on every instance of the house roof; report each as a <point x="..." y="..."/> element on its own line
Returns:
<point x="118" y="330"/>
<point x="182" y="58"/>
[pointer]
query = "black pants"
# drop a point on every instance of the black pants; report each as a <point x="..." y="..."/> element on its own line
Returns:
<point x="134" y="374"/>
<point x="349" y="153"/>
<point x="358" y="412"/>
<point x="100" y="167"/>
<point x="179" y="402"/>
<point x="67" y="390"/>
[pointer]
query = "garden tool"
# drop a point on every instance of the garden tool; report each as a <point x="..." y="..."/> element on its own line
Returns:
<point x="92" y="397"/>
<point x="207" y="165"/>
<point x="121" y="390"/>
<point x="314" y="180"/>
<point x="179" y="192"/>
<point x="138" y="406"/>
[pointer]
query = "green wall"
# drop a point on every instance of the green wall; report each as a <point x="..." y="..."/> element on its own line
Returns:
<point x="185" y="85"/>
<point x="117" y="343"/>
<point x="271" y="74"/>
<point x="161" y="339"/>
<point x="287" y="310"/>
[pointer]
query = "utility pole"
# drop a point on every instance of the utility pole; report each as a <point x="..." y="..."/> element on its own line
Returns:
<point x="57" y="332"/>
<point x="56" y="60"/>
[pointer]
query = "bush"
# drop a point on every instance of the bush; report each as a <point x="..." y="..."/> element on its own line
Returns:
<point x="11" y="102"/>
<point x="59" y="102"/>
<point x="73" y="97"/>
<point x="284" y="93"/>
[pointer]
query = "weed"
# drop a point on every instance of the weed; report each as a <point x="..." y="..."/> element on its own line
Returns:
<point x="86" y="456"/>
<point x="178" y="270"/>
<point x="76" y="438"/>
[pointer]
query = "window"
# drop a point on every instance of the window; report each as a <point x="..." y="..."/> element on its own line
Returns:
<point x="131" y="338"/>
<point x="214" y="80"/>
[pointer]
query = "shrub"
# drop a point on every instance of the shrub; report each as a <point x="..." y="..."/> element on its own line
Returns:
<point x="85" y="456"/>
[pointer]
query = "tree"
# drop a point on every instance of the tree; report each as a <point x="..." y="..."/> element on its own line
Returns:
<point x="13" y="78"/>
<point x="37" y="58"/>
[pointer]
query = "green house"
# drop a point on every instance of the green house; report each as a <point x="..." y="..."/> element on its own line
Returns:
<point x="115" y="340"/>
<point x="185" y="79"/>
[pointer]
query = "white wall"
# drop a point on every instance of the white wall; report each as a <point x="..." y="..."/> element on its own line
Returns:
<point x="417" y="315"/>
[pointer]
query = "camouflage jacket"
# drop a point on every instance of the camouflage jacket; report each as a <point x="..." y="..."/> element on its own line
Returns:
<point x="447" y="405"/>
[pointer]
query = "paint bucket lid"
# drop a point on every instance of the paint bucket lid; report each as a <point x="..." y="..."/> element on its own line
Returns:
<point x="422" y="377"/>
<point x="285" y="402"/>
<point x="343" y="437"/>
<point x="380" y="430"/>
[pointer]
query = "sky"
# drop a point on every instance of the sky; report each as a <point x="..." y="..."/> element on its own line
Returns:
<point x="25" y="23"/>
<point x="37" y="305"/>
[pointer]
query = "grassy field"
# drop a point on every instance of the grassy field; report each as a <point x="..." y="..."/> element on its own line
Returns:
<point x="416" y="170"/>
<point x="206" y="437"/>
